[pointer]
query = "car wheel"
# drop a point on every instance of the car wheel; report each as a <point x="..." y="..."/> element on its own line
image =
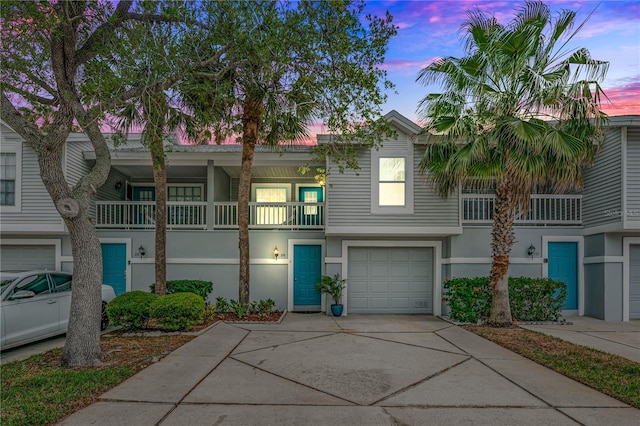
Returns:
<point x="104" y="321"/>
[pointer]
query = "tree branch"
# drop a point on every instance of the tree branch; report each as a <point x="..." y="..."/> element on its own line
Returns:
<point x="18" y="123"/>
<point x="28" y="95"/>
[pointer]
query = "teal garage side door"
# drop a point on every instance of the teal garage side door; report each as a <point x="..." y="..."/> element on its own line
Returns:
<point x="307" y="267"/>
<point x="563" y="266"/>
<point x="114" y="266"/>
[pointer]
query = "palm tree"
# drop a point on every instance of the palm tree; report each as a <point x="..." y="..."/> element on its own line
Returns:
<point x="518" y="113"/>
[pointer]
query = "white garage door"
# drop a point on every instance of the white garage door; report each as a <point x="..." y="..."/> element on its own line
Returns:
<point x="634" y="281"/>
<point x="25" y="258"/>
<point x="390" y="280"/>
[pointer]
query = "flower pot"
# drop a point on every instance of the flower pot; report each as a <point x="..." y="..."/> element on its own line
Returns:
<point x="336" y="310"/>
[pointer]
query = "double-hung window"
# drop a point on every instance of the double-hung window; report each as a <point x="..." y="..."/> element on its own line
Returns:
<point x="391" y="182"/>
<point x="10" y="182"/>
<point x="274" y="212"/>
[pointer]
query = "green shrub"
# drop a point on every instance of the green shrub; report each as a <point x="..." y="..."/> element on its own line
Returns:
<point x="221" y="306"/>
<point x="240" y="309"/>
<point x="177" y="311"/>
<point x="130" y="310"/>
<point x="531" y="299"/>
<point x="199" y="287"/>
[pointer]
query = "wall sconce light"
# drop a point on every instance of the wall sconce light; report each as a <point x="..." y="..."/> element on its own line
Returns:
<point x="142" y="251"/>
<point x="276" y="253"/>
<point x="118" y="186"/>
<point x="531" y="251"/>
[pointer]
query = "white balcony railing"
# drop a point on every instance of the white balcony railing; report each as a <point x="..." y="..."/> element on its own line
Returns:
<point x="193" y="215"/>
<point x="545" y="209"/>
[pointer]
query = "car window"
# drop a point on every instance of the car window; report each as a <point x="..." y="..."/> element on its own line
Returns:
<point x="61" y="282"/>
<point x="4" y="284"/>
<point x="35" y="283"/>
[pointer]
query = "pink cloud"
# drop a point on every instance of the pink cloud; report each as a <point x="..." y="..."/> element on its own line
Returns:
<point x="407" y="65"/>
<point x="623" y="100"/>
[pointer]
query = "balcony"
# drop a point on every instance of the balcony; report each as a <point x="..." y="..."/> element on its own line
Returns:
<point x="544" y="209"/>
<point x="195" y="215"/>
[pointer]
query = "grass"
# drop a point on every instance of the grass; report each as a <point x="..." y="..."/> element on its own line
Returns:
<point x="37" y="391"/>
<point x="610" y="374"/>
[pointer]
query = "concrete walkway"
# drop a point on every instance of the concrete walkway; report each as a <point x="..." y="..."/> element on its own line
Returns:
<point x="359" y="370"/>
<point x="620" y="338"/>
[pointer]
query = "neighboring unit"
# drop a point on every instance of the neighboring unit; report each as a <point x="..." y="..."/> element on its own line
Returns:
<point x="384" y="228"/>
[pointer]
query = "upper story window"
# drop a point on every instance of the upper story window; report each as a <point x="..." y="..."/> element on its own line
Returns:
<point x="10" y="178"/>
<point x="184" y="193"/>
<point x="272" y="195"/>
<point x="391" y="182"/>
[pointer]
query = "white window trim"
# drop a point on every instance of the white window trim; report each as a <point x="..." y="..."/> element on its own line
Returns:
<point x="376" y="208"/>
<point x="14" y="148"/>
<point x="189" y="185"/>
<point x="255" y="186"/>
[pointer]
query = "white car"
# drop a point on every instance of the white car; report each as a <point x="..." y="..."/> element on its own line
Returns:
<point x="35" y="305"/>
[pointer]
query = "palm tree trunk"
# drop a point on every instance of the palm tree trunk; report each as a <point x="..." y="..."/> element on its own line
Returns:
<point x="155" y="107"/>
<point x="250" y="125"/>
<point x="501" y="242"/>
<point x="160" y="181"/>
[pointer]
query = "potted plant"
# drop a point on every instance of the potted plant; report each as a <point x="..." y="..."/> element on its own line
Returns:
<point x="333" y="286"/>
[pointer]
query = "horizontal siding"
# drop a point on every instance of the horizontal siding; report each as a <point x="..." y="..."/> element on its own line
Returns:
<point x="633" y="174"/>
<point x="349" y="200"/>
<point x="77" y="167"/>
<point x="37" y="207"/>
<point x="603" y="183"/>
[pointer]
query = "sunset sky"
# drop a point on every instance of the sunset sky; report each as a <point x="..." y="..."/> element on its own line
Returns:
<point x="429" y="29"/>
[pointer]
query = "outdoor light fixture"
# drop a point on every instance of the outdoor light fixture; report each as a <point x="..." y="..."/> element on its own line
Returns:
<point x="118" y="185"/>
<point x="276" y="253"/>
<point x="531" y="251"/>
<point x="142" y="251"/>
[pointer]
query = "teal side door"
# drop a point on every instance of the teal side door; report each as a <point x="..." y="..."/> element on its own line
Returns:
<point x="307" y="267"/>
<point x="114" y="266"/>
<point x="310" y="215"/>
<point x="563" y="266"/>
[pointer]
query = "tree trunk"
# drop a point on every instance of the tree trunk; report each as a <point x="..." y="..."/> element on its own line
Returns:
<point x="160" y="180"/>
<point x="250" y="125"/>
<point x="155" y="107"/>
<point x="501" y="243"/>
<point x="82" y="345"/>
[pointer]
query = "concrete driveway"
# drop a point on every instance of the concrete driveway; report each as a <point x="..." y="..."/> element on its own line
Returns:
<point x="359" y="370"/>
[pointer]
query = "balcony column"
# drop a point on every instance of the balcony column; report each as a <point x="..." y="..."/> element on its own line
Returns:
<point x="210" y="194"/>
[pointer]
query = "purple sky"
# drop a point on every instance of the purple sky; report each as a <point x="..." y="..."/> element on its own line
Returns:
<point x="429" y="29"/>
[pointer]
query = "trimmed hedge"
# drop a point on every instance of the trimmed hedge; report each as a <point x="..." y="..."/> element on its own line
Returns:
<point x="130" y="310"/>
<point x="178" y="311"/>
<point x="199" y="287"/>
<point x="531" y="299"/>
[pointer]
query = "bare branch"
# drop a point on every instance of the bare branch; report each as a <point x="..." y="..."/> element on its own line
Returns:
<point x="17" y="122"/>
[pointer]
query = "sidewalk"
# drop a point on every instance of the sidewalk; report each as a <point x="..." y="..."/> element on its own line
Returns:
<point x="360" y="370"/>
<point x="620" y="338"/>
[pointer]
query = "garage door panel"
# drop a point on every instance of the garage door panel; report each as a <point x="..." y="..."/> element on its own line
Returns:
<point x="27" y="257"/>
<point x="390" y="280"/>
<point x="400" y="255"/>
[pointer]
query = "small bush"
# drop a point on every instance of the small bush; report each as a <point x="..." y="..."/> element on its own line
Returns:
<point x="221" y="306"/>
<point x="199" y="287"/>
<point x="531" y="299"/>
<point x="241" y="310"/>
<point x="177" y="311"/>
<point x="130" y="310"/>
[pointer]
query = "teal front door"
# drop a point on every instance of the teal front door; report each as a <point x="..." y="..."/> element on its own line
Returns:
<point x="310" y="215"/>
<point x="307" y="267"/>
<point x="563" y="266"/>
<point x="114" y="266"/>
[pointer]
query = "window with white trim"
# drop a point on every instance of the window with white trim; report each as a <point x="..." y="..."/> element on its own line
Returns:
<point x="184" y="193"/>
<point x="271" y="214"/>
<point x="391" y="182"/>
<point x="10" y="177"/>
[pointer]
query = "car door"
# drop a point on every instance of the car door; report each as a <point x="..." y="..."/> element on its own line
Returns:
<point x="31" y="318"/>
<point x="62" y="294"/>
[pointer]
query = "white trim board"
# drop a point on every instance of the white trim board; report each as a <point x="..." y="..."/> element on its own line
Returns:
<point x="485" y="260"/>
<point x="437" y="264"/>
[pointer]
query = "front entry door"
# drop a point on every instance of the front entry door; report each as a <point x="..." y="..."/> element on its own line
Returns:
<point x="563" y="266"/>
<point x="307" y="267"/>
<point x="114" y="266"/>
